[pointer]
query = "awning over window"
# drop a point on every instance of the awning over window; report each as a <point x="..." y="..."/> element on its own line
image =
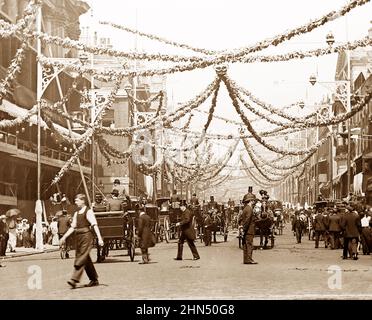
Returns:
<point x="337" y="178"/>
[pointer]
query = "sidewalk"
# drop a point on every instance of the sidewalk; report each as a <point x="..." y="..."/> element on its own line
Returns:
<point x="22" y="251"/>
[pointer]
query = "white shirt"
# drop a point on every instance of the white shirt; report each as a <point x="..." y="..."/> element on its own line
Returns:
<point x="365" y="221"/>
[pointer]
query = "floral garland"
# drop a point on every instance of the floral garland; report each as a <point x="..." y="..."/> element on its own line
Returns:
<point x="167" y="118"/>
<point x="86" y="137"/>
<point x="15" y="65"/>
<point x="235" y="55"/>
<point x="279" y="167"/>
<point x="364" y="42"/>
<point x="19" y="120"/>
<point x="154" y="37"/>
<point x="262" y="169"/>
<point x="232" y="56"/>
<point x="253" y="177"/>
<point x="114" y="152"/>
<point x="267" y="106"/>
<point x="254" y="133"/>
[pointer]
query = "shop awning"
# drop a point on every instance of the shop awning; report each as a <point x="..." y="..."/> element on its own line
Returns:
<point x="337" y="178"/>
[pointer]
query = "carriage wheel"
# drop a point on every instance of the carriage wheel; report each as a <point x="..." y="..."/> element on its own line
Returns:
<point x="132" y="251"/>
<point x="161" y="233"/>
<point x="166" y="230"/>
<point x="106" y="250"/>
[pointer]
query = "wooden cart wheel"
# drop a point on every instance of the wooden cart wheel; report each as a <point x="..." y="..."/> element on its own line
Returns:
<point x="161" y="233"/>
<point x="131" y="251"/>
<point x="166" y="230"/>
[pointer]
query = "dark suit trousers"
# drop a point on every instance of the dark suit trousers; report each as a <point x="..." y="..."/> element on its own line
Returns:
<point x="334" y="237"/>
<point x="84" y="243"/>
<point x="3" y="244"/>
<point x="190" y="243"/>
<point x="351" y="245"/>
<point x="317" y="236"/>
<point x="248" y="248"/>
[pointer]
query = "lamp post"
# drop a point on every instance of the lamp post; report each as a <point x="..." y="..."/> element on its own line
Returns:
<point x="44" y="79"/>
<point x="344" y="97"/>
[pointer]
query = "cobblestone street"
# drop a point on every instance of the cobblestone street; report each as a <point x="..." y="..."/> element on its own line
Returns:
<point x="287" y="271"/>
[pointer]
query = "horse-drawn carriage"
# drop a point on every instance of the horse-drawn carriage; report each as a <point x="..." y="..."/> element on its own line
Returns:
<point x="264" y="228"/>
<point x="218" y="222"/>
<point x="118" y="228"/>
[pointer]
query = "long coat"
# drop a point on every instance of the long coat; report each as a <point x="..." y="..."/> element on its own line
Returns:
<point x="144" y="232"/>
<point x="350" y="223"/>
<point x="186" y="225"/>
<point x="319" y="223"/>
<point x="248" y="220"/>
<point x="334" y="223"/>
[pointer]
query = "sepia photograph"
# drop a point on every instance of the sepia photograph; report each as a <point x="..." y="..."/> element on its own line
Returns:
<point x="201" y="152"/>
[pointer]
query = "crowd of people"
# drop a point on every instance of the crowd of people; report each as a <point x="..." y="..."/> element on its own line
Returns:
<point x="345" y="226"/>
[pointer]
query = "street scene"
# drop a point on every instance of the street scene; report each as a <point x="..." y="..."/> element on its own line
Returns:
<point x="154" y="150"/>
<point x="288" y="271"/>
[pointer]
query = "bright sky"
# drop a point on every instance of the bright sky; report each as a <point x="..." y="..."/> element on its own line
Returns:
<point x="227" y="24"/>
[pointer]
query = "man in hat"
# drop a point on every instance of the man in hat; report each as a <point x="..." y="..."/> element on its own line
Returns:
<point x="248" y="222"/>
<point x="187" y="232"/>
<point x="4" y="235"/>
<point x="120" y="188"/>
<point x="350" y="224"/>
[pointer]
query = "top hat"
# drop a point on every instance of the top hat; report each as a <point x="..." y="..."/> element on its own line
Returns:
<point x="249" y="197"/>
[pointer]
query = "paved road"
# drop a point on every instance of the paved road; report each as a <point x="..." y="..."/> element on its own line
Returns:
<point x="287" y="271"/>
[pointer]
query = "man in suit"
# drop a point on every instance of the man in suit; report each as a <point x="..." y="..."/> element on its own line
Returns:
<point x="298" y="225"/>
<point x="319" y="226"/>
<point x="145" y="236"/>
<point x="350" y="224"/>
<point x="248" y="222"/>
<point x="187" y="232"/>
<point x="334" y="229"/>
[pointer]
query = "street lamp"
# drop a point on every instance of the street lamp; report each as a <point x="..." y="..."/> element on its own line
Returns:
<point x="343" y="93"/>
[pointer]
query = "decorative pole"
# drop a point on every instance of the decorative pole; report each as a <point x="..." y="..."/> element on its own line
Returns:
<point x="38" y="206"/>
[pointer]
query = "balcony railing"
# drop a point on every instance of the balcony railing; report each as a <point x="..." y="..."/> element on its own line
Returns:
<point x="29" y="146"/>
<point x="8" y="138"/>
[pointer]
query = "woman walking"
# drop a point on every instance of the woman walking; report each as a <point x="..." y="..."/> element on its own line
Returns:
<point x="82" y="220"/>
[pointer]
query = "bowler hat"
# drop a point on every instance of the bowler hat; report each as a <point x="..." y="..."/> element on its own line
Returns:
<point x="116" y="181"/>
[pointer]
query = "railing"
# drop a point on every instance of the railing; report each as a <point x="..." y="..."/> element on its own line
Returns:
<point x="8" y="138"/>
<point x="8" y="189"/>
<point x="29" y="146"/>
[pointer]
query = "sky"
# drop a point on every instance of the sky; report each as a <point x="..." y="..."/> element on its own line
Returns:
<point x="221" y="24"/>
<point x="229" y="24"/>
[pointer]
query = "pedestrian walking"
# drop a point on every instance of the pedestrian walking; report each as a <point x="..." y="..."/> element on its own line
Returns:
<point x="248" y="222"/>
<point x="82" y="222"/>
<point x="4" y="235"/>
<point x="145" y="236"/>
<point x="187" y="232"/>
<point x="350" y="223"/>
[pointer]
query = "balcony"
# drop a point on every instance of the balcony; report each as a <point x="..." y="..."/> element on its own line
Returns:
<point x="27" y="150"/>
